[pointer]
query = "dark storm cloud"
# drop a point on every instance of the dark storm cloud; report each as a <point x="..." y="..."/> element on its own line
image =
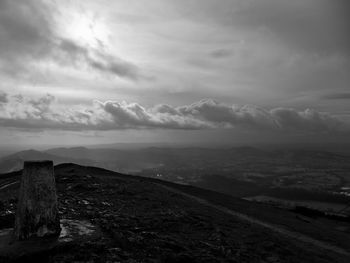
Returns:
<point x="27" y="35"/>
<point x="73" y="53"/>
<point x="221" y="53"/>
<point x="24" y="28"/>
<point x="115" y="66"/>
<point x="134" y="115"/>
<point x="309" y="120"/>
<point x="312" y="25"/>
<point x="44" y="113"/>
<point x="24" y="34"/>
<point x="337" y="96"/>
<point x="251" y="116"/>
<point x="3" y="97"/>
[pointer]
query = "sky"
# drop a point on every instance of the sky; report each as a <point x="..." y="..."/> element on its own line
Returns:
<point x="228" y="71"/>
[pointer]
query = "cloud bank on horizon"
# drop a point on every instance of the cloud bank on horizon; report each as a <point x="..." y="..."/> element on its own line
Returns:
<point x="288" y="57"/>
<point x="44" y="113"/>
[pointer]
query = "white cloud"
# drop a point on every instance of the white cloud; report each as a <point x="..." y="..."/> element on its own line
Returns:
<point x="248" y="51"/>
<point x="47" y="113"/>
<point x="28" y="39"/>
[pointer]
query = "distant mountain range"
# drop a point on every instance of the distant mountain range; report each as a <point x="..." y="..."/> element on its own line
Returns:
<point x="122" y="160"/>
<point x="136" y="160"/>
<point x="113" y="159"/>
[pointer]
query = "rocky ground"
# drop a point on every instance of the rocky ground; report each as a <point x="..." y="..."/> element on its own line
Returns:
<point x="137" y="220"/>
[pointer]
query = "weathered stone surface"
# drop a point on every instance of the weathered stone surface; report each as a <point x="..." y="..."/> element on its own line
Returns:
<point x="37" y="211"/>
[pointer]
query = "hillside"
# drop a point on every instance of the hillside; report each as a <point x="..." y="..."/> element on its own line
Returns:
<point x="147" y="220"/>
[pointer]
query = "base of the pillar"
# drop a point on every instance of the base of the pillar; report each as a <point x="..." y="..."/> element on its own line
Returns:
<point x="40" y="249"/>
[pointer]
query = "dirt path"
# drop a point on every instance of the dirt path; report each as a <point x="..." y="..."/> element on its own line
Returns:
<point x="275" y="228"/>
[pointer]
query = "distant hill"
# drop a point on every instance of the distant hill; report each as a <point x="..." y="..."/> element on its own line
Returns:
<point x="86" y="153"/>
<point x="14" y="162"/>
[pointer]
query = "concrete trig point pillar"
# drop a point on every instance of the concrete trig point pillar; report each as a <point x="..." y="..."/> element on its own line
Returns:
<point x="37" y="211"/>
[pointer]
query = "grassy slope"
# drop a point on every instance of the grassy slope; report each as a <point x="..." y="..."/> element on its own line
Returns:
<point x="146" y="221"/>
<point x="322" y="229"/>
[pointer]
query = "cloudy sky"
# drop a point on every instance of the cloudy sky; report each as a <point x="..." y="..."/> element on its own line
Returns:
<point x="83" y="72"/>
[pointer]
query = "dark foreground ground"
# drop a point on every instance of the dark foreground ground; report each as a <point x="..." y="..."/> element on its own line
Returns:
<point x="144" y="220"/>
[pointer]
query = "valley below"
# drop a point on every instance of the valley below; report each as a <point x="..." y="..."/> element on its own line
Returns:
<point x="317" y="179"/>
